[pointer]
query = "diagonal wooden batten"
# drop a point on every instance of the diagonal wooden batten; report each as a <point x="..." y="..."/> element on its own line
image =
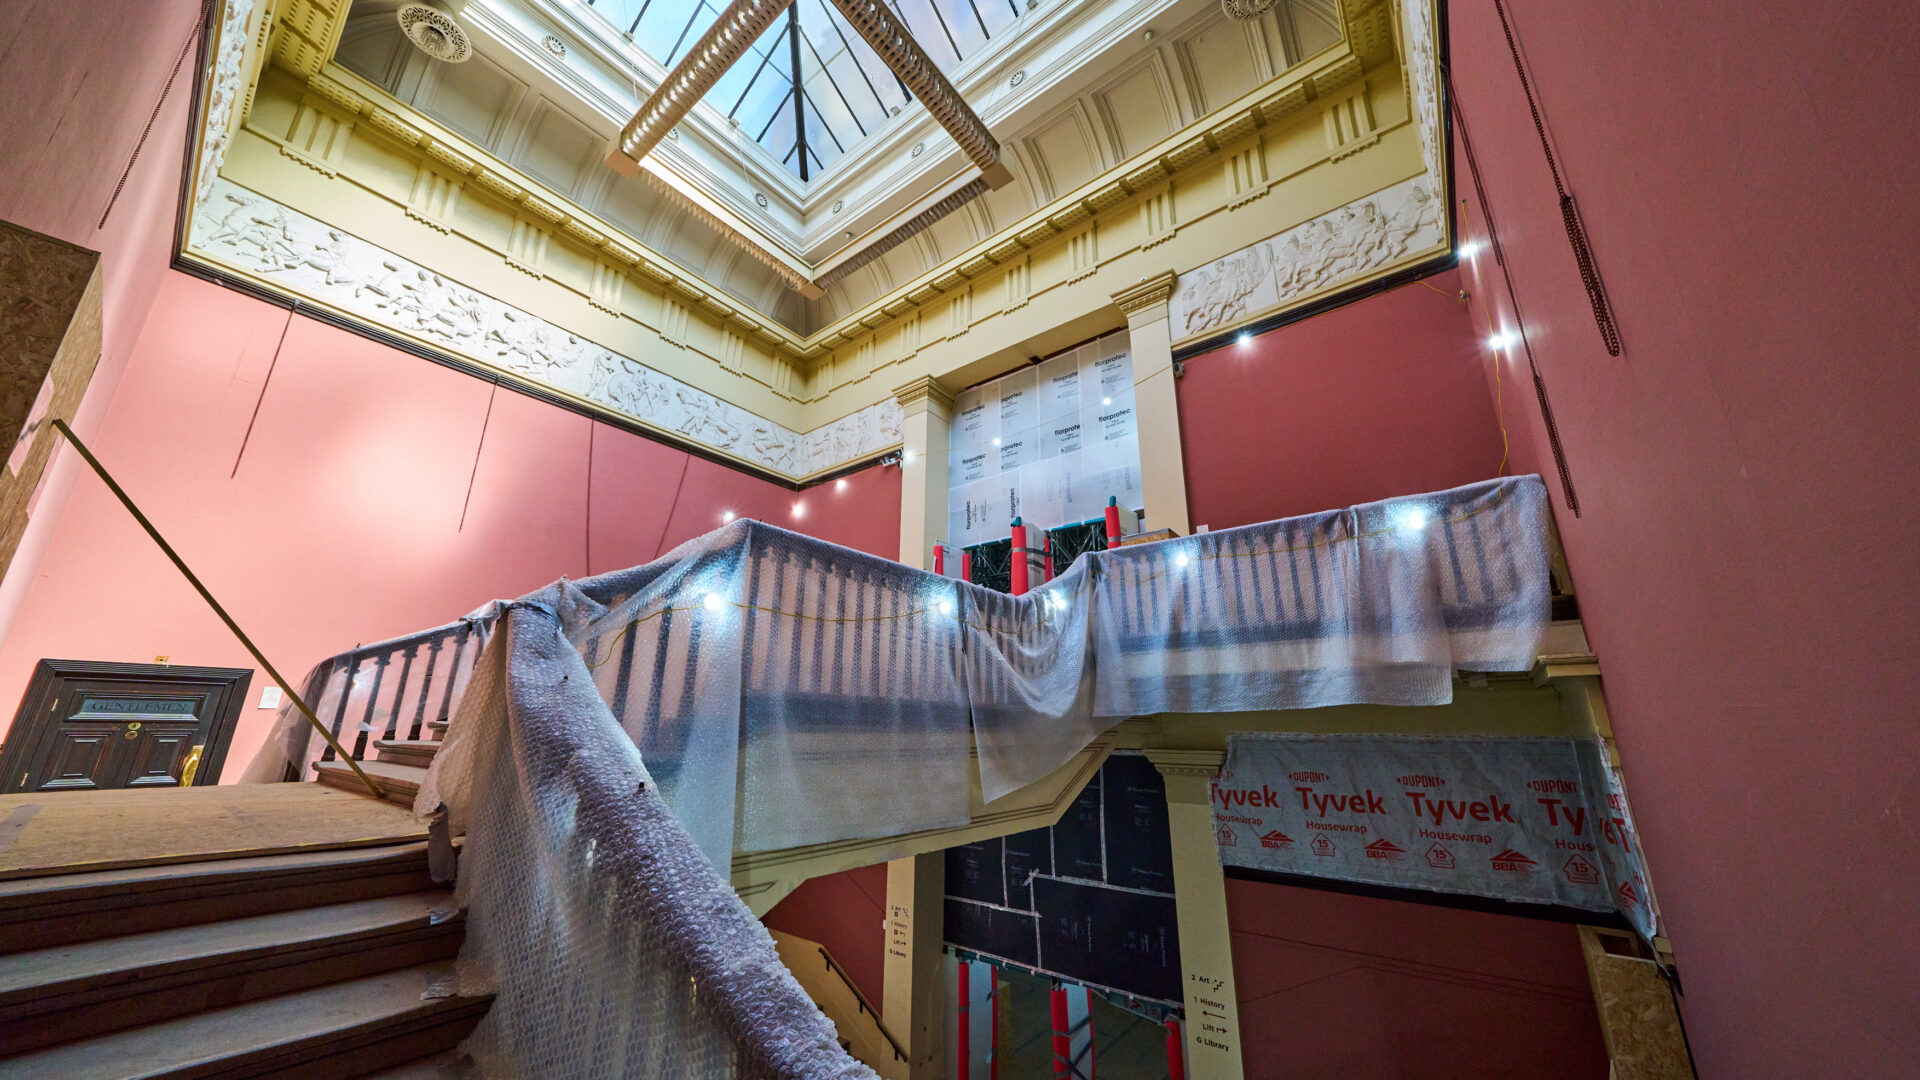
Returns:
<point x="894" y="43"/>
<point x="194" y="580"/>
<point x="717" y="50"/>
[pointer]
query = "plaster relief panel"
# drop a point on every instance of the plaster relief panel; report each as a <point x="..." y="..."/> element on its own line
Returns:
<point x="1139" y="107"/>
<point x="476" y="98"/>
<point x="1311" y="258"/>
<point x="1220" y="64"/>
<point x="559" y="149"/>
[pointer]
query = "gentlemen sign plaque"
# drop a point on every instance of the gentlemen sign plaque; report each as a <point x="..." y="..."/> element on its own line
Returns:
<point x="1541" y="820"/>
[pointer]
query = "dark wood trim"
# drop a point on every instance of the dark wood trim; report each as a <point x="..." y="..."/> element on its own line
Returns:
<point x="23" y="735"/>
<point x="1559" y="913"/>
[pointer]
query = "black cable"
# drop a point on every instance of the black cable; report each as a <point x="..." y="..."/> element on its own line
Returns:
<point x="154" y="117"/>
<point x="1513" y="297"/>
<point x="1569" y="215"/>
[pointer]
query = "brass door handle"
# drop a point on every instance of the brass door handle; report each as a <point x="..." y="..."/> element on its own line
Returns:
<point x="191" y="767"/>
<point x="132" y="732"/>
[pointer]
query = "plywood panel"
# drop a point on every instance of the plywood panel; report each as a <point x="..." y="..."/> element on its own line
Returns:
<point x="106" y="830"/>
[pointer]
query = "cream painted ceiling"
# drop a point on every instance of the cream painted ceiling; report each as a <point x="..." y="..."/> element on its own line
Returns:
<point x="518" y="104"/>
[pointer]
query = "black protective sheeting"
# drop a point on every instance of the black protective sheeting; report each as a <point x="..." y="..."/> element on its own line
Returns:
<point x="992" y="931"/>
<point x="1126" y="941"/>
<point x="1078" y="848"/>
<point x="973" y="872"/>
<point x="1139" y="848"/>
<point x="1027" y="854"/>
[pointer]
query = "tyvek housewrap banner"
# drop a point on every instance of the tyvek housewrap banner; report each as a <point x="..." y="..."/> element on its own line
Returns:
<point x="1529" y="819"/>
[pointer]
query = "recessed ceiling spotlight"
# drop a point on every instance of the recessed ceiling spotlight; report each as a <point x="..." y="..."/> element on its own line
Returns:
<point x="1147" y="36"/>
<point x="848" y="235"/>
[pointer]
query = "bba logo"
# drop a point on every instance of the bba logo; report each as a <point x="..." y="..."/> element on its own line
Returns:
<point x="1627" y="895"/>
<point x="1514" y="862"/>
<point x="1384" y="848"/>
<point x="1420" y="780"/>
<point x="1307" y="776"/>
<point x="1277" y="840"/>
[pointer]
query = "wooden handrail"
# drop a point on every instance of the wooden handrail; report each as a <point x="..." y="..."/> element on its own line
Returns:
<point x="194" y="580"/>
<point x="861" y="1000"/>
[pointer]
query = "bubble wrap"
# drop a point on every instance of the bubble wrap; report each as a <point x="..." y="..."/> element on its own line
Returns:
<point x="611" y="946"/>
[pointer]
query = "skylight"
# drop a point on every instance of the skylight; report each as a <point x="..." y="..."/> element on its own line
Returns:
<point x="845" y="91"/>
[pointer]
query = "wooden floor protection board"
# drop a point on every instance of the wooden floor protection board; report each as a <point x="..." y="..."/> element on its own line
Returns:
<point x="76" y="831"/>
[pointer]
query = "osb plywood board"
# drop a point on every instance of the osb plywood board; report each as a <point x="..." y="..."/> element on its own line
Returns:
<point x="74" y="831"/>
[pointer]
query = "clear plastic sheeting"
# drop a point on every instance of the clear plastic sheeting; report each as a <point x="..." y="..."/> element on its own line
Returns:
<point x="621" y="737"/>
<point x="786" y="691"/>
<point x="609" y="944"/>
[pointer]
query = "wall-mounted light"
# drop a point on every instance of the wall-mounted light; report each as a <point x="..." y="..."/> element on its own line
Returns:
<point x="799" y="510"/>
<point x="840" y="485"/>
<point x="726" y="516"/>
<point x="1244" y="338"/>
<point x="1502" y="340"/>
<point x="1469" y="248"/>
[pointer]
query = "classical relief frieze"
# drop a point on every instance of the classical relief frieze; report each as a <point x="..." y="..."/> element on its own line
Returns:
<point x="1310" y="258"/>
<point x="225" y="88"/>
<point x="1423" y="81"/>
<point x="247" y="231"/>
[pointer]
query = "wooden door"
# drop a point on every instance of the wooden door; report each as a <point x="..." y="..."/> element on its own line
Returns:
<point x="86" y="726"/>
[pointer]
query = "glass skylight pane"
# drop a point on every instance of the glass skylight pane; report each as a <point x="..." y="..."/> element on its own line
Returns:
<point x="848" y="90"/>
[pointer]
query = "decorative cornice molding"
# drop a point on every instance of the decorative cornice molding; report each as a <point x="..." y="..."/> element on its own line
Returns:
<point x="927" y="389"/>
<point x="1203" y="763"/>
<point x="1150" y="292"/>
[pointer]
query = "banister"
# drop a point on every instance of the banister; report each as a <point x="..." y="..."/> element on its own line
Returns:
<point x="194" y="580"/>
<point x="861" y="1000"/>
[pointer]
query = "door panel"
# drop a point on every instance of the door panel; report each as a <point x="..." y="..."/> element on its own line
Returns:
<point x="80" y="758"/>
<point x="86" y="726"/>
<point x="158" y="755"/>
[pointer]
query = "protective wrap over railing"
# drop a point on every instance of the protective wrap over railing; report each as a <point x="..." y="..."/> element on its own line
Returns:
<point x="774" y="691"/>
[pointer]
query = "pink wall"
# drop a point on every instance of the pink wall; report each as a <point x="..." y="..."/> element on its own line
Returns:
<point x="78" y="98"/>
<point x="348" y="518"/>
<point x="1378" y="398"/>
<point x="1746" y="557"/>
<point x="847" y="913"/>
<point x="1334" y="986"/>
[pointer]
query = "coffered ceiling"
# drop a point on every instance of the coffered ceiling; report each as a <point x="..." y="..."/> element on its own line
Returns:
<point x="1070" y="89"/>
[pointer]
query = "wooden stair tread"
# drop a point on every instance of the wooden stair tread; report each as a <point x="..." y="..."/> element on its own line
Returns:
<point x="398" y="783"/>
<point x="445" y="1066"/>
<point x="157" y="955"/>
<point x="38" y="913"/>
<point x="260" y="1037"/>
<point x="407" y="751"/>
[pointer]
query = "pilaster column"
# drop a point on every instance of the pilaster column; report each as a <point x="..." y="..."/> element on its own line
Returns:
<point x="1163" y="478"/>
<point x="911" y="1001"/>
<point x="1200" y="900"/>
<point x="926" y="408"/>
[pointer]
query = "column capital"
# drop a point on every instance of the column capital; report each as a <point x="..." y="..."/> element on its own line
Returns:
<point x="1146" y="300"/>
<point x="925" y="393"/>
<point x="1205" y="763"/>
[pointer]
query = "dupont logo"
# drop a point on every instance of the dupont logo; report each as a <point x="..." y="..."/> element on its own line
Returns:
<point x="1439" y="858"/>
<point x="1581" y="872"/>
<point x="1225" y="837"/>
<point x="1514" y="862"/>
<point x="1421" y="780"/>
<point x="1307" y="776"/>
<point x="1554" y="787"/>
<point x="1276" y="839"/>
<point x="1627" y="895"/>
<point x="1384" y="848"/>
<point x="1321" y="845"/>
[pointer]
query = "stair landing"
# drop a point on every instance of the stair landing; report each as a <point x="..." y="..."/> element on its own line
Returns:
<point x="82" y="831"/>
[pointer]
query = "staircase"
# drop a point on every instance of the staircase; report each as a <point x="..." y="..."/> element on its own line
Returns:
<point x="398" y="766"/>
<point x="307" y="965"/>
